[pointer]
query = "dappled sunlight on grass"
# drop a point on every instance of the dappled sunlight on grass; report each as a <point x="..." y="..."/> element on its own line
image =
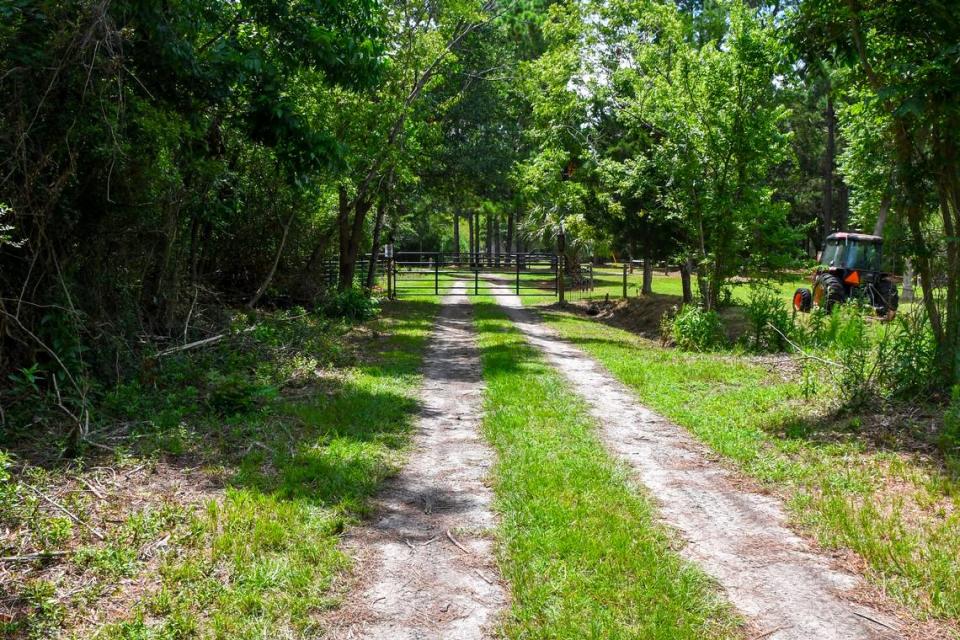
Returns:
<point x="260" y="561"/>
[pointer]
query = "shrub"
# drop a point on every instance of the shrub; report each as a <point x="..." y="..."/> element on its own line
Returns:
<point x="770" y="322"/>
<point x="853" y="349"/>
<point x="697" y="330"/>
<point x="232" y="393"/>
<point x="907" y="357"/>
<point x="354" y="304"/>
<point x="950" y="436"/>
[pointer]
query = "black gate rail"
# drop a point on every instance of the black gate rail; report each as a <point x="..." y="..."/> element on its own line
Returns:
<point x="436" y="272"/>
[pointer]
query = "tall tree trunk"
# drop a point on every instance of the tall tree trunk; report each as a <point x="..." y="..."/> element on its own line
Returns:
<point x="949" y="195"/>
<point x="160" y="288"/>
<point x="841" y="208"/>
<point x="476" y="239"/>
<point x="276" y="261"/>
<point x="194" y="249"/>
<point x="882" y="214"/>
<point x="351" y="216"/>
<point x="829" y="160"/>
<point x="647" y="266"/>
<point x="489" y="239"/>
<point x="375" y="246"/>
<point x="456" y="236"/>
<point x="470" y="243"/>
<point x="685" y="268"/>
<point x="511" y="221"/>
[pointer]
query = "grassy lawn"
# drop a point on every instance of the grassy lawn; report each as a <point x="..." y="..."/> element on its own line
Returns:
<point x="579" y="544"/>
<point x="281" y="443"/>
<point x="608" y="280"/>
<point x="869" y="488"/>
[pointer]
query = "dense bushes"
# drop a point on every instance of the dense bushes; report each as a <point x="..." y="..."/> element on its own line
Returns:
<point x="867" y="358"/>
<point x="694" y="329"/>
<point x="355" y="305"/>
<point x="162" y="160"/>
<point x="770" y="322"/>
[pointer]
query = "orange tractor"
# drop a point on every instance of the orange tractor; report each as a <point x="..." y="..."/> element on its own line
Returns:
<point x="849" y="269"/>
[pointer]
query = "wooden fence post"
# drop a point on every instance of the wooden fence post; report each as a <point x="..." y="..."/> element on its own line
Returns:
<point x="624" y="279"/>
<point x="562" y="246"/>
<point x="517" y="261"/>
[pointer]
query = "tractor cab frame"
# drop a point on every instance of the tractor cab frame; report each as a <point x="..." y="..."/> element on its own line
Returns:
<point x="850" y="269"/>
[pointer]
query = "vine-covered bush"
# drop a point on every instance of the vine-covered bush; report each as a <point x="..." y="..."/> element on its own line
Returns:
<point x="694" y="329"/>
<point x="355" y="305"/>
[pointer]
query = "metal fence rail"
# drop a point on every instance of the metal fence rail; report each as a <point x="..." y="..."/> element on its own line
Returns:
<point x="425" y="273"/>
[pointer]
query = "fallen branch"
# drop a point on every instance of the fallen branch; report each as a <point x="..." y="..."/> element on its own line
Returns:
<point x="64" y="510"/>
<point x="30" y="557"/>
<point x="457" y="544"/>
<point x="90" y="486"/>
<point x="200" y="343"/>
<point x="193" y="345"/>
<point x="804" y="353"/>
<point x="882" y="624"/>
<point x="483" y="577"/>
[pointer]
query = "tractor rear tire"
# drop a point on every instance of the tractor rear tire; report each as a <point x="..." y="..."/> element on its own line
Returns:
<point x="889" y="299"/>
<point x="802" y="300"/>
<point x="827" y="291"/>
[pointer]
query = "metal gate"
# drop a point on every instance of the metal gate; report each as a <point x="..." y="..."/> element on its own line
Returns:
<point x="436" y="273"/>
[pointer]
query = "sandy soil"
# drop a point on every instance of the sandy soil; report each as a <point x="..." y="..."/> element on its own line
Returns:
<point x="425" y="566"/>
<point x="776" y="579"/>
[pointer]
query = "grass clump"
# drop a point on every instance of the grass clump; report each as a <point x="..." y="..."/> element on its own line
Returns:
<point x="694" y="329"/>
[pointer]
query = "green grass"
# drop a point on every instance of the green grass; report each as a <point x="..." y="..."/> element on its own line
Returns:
<point x="261" y="561"/>
<point x="608" y="281"/>
<point x="299" y="429"/>
<point x="895" y="507"/>
<point x="579" y="544"/>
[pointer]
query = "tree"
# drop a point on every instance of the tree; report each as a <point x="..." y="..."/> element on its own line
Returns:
<point x="905" y="92"/>
<point x="715" y="122"/>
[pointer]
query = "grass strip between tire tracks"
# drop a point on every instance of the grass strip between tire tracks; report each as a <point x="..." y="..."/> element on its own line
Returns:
<point x="580" y="544"/>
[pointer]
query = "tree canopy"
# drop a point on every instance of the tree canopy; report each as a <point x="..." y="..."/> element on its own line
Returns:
<point x="156" y="155"/>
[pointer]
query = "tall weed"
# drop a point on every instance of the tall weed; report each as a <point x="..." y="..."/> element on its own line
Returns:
<point x="950" y="436"/>
<point x="694" y="329"/>
<point x="770" y="322"/>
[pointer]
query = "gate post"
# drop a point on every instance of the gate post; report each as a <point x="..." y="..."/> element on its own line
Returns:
<point x="517" y="261"/>
<point x="624" y="279"/>
<point x="436" y="275"/>
<point x="562" y="245"/>
<point x="476" y="281"/>
<point x="391" y="276"/>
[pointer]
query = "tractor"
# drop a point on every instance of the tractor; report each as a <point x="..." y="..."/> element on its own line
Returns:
<point x="849" y="269"/>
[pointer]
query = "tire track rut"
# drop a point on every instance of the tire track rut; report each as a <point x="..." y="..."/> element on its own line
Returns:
<point x="425" y="565"/>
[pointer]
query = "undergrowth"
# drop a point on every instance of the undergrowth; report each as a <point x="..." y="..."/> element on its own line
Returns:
<point x="281" y="431"/>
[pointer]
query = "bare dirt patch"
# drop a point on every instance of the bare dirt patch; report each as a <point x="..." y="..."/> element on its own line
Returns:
<point x="104" y="497"/>
<point x="424" y="564"/>
<point x="642" y="315"/>
<point x="778" y="580"/>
